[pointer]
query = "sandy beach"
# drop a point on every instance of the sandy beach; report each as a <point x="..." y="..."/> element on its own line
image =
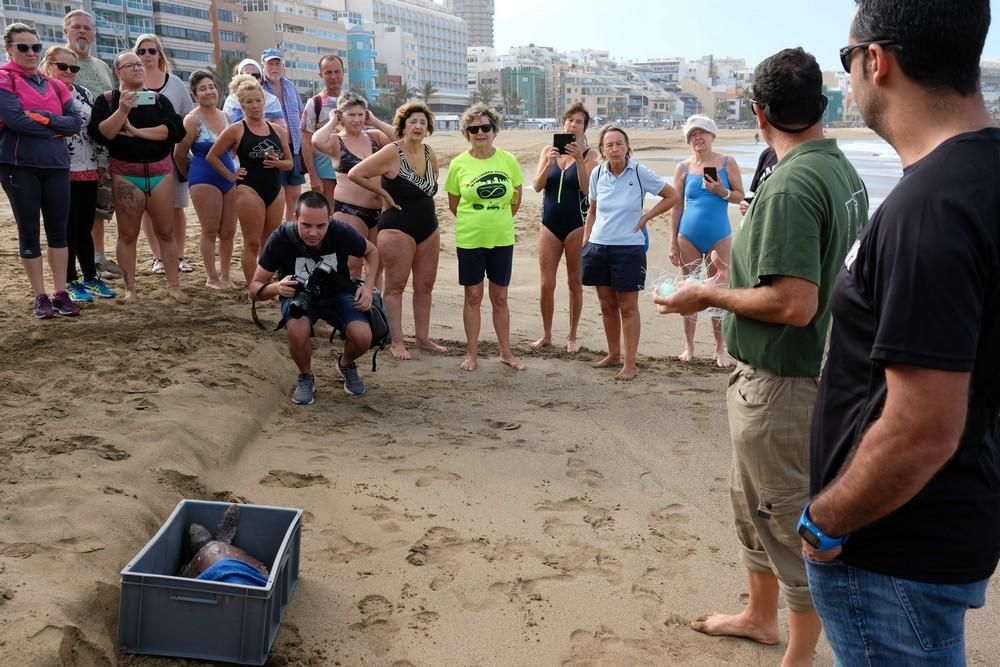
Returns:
<point x="544" y="517"/>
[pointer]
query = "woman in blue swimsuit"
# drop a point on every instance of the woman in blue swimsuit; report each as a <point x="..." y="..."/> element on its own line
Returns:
<point x="701" y="219"/>
<point x="564" y="179"/>
<point x="213" y="196"/>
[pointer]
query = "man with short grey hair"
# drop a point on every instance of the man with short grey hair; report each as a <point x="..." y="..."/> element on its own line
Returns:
<point x="96" y="77"/>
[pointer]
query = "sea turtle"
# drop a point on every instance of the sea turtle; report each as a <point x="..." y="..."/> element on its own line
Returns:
<point x="208" y="550"/>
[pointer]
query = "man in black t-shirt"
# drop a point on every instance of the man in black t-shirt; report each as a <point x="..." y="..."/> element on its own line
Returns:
<point x="295" y="254"/>
<point x="906" y="431"/>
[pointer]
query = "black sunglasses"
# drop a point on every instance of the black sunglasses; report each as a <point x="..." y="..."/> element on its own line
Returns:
<point x="257" y="76"/>
<point x="34" y="48"/>
<point x="64" y="67"/>
<point x="847" y="51"/>
<point x="143" y="51"/>
<point x="476" y="129"/>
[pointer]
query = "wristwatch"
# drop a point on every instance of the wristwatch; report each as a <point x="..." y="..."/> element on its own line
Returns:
<point x="811" y="533"/>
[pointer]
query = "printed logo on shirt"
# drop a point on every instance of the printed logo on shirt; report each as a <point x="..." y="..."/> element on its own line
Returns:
<point x="854" y="217"/>
<point x="852" y="255"/>
<point x="258" y="151"/>
<point x="491" y="185"/>
<point x="304" y="266"/>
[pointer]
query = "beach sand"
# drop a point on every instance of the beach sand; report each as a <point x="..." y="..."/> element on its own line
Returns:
<point x="544" y="517"/>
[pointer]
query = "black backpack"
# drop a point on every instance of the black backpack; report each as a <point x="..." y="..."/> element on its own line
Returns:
<point x="378" y="319"/>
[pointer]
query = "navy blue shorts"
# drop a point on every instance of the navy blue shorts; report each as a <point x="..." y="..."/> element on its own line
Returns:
<point x="493" y="263"/>
<point x="622" y="267"/>
<point x="293" y="177"/>
<point x="337" y="310"/>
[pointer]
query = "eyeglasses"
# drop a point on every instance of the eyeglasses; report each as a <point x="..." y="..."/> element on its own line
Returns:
<point x="476" y="129"/>
<point x="143" y="51"/>
<point x="131" y="66"/>
<point x="34" y="48"/>
<point x="847" y="51"/>
<point x="66" y="67"/>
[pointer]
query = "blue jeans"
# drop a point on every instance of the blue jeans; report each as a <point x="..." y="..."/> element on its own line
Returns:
<point x="875" y="620"/>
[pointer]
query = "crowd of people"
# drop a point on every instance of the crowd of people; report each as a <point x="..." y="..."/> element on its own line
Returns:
<point x="865" y="491"/>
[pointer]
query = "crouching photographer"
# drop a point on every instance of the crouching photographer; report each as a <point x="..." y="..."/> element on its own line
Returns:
<point x="312" y="258"/>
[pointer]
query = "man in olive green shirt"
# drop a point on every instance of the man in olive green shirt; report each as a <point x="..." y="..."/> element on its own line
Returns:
<point x="802" y="222"/>
<point x="94" y="75"/>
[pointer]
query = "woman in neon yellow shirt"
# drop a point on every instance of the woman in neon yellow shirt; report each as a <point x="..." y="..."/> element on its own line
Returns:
<point x="484" y="193"/>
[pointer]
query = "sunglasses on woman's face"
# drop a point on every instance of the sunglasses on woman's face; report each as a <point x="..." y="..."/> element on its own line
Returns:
<point x="66" y="67"/>
<point x="256" y="75"/>
<point x="34" y="48"/>
<point x="143" y="51"/>
<point x="476" y="129"/>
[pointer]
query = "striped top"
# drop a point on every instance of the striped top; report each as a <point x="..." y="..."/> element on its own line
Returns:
<point x="428" y="182"/>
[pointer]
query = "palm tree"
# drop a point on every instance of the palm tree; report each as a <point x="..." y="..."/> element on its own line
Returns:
<point x="402" y="95"/>
<point x="512" y="103"/>
<point x="428" y="90"/>
<point x="484" y="93"/>
<point x="223" y="72"/>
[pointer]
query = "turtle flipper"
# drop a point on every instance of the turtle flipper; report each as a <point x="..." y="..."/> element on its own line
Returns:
<point x="228" y="525"/>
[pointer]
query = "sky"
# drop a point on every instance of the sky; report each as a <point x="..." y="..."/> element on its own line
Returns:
<point x="639" y="29"/>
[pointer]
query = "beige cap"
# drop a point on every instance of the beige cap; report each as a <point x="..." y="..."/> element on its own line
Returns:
<point x="698" y="121"/>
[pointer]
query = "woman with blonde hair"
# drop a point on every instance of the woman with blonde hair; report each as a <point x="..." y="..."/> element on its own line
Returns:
<point x="149" y="48"/>
<point x="262" y="150"/>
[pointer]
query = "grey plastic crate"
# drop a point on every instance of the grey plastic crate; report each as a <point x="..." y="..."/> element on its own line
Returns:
<point x="164" y="614"/>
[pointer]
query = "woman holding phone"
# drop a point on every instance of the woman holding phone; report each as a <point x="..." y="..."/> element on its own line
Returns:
<point x="710" y="182"/>
<point x="262" y="150"/>
<point x="140" y="128"/>
<point x="564" y="176"/>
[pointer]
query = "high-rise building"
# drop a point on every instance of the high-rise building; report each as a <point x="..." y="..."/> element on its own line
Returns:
<point x="478" y="15"/>
<point x="44" y="15"/>
<point x="185" y="28"/>
<point x="441" y="45"/>
<point x="229" y="35"/>
<point x="118" y="23"/>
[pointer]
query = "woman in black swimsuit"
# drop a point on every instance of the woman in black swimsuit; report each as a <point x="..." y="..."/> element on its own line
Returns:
<point x="262" y="150"/>
<point x="355" y="205"/>
<point x="564" y="178"/>
<point x="408" y="236"/>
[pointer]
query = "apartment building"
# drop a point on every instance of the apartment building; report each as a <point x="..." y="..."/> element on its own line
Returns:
<point x="478" y="16"/>
<point x="229" y="36"/>
<point x="185" y="28"/>
<point x="44" y="15"/>
<point x="118" y="23"/>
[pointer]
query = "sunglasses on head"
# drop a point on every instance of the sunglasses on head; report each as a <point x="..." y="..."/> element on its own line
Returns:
<point x="143" y="51"/>
<point x="476" y="129"/>
<point x="65" y="67"/>
<point x="34" y="48"/>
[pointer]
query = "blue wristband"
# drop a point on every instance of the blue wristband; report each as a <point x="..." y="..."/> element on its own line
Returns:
<point x="811" y="533"/>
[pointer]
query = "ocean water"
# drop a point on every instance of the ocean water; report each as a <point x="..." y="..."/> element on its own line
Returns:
<point x="876" y="162"/>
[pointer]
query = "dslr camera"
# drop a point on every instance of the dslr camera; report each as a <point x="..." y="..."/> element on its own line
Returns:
<point x="321" y="281"/>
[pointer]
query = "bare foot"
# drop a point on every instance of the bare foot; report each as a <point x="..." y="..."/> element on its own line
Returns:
<point x="469" y="363"/>
<point x="215" y="284"/>
<point x="130" y="297"/>
<point x="686" y="356"/>
<point x="399" y="352"/>
<point x="513" y="362"/>
<point x="177" y="295"/>
<point x="626" y="374"/>
<point x="227" y="283"/>
<point x="736" y="625"/>
<point x="572" y="346"/>
<point x="722" y="358"/>
<point x="544" y="341"/>
<point x="607" y="362"/>
<point x="431" y="346"/>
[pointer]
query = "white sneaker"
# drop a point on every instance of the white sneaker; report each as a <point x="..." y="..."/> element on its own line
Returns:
<point x="158" y="266"/>
<point x="184" y="265"/>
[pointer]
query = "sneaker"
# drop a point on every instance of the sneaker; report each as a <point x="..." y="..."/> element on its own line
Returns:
<point x="158" y="266"/>
<point x="109" y="267"/>
<point x="43" y="307"/>
<point x="98" y="287"/>
<point x="304" y="390"/>
<point x="184" y="265"/>
<point x="63" y="304"/>
<point x="352" y="381"/>
<point x="78" y="293"/>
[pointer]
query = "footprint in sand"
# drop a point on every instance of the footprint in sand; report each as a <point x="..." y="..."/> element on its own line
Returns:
<point x="502" y="425"/>
<point x="293" y="480"/>
<point x="649" y="485"/>
<point x="342" y="549"/>
<point x="428" y="475"/>
<point x="578" y="470"/>
<point x="587" y="560"/>
<point x="666" y="524"/>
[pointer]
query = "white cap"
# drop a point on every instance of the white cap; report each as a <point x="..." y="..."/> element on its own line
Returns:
<point x="698" y="121"/>
<point x="248" y="61"/>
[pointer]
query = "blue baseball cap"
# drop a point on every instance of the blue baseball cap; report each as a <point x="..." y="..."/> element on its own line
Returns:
<point x="270" y="54"/>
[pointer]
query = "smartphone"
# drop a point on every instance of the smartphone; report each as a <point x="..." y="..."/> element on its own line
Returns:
<point x="562" y="139"/>
<point x="145" y="98"/>
<point x="711" y="172"/>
